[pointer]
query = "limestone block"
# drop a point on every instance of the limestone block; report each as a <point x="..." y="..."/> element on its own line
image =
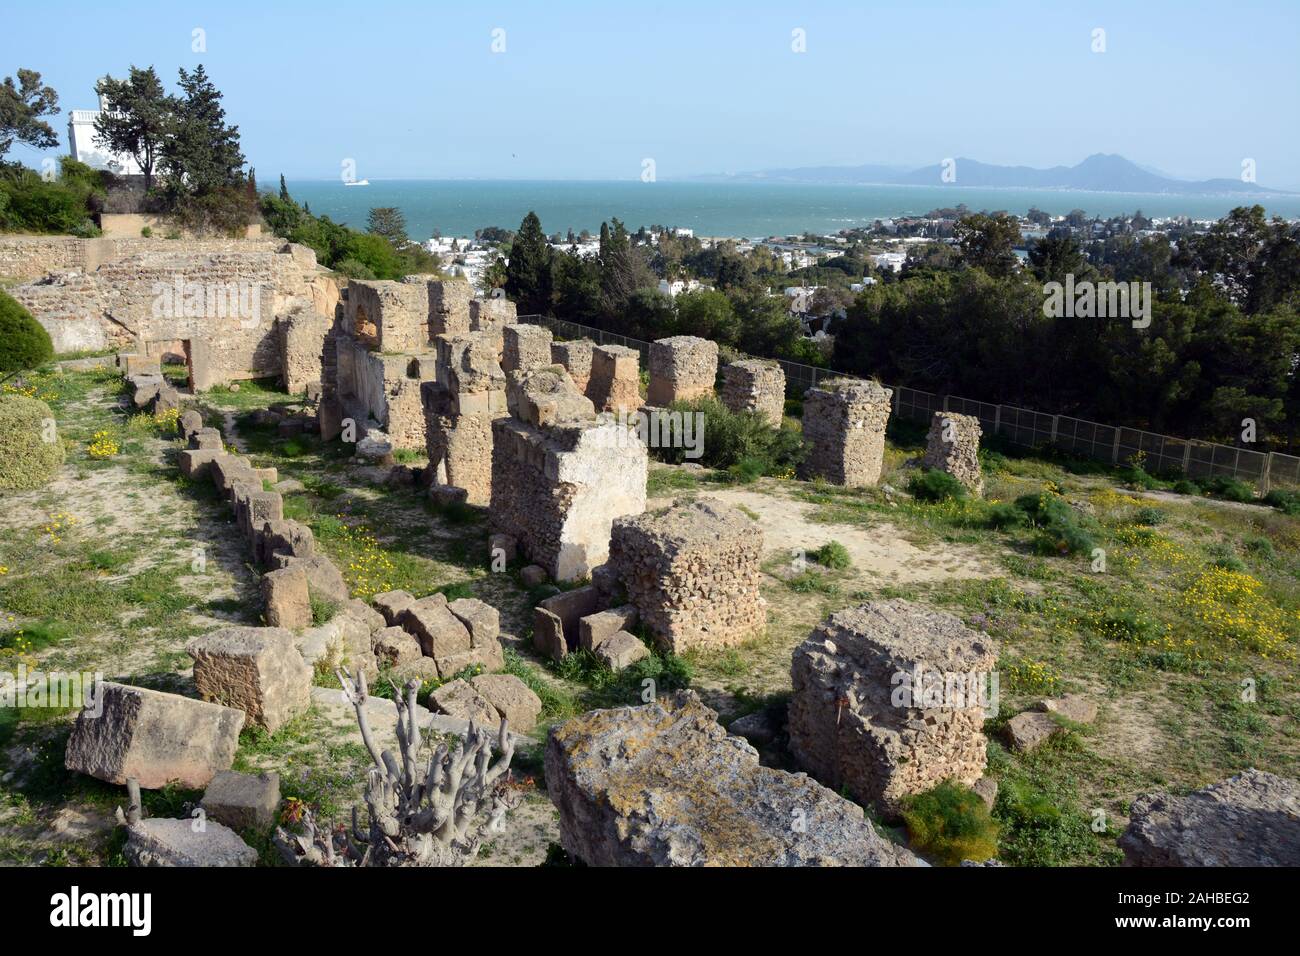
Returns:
<point x="243" y="801"/>
<point x="615" y="382"/>
<point x="286" y="598"/>
<point x="255" y="669"/>
<point x="754" y="385"/>
<point x="458" y="698"/>
<point x="621" y="650"/>
<point x="163" y="842"/>
<point x="953" y="446"/>
<point x="682" y="367"/>
<point x="511" y="698"/>
<point x="844" y="431"/>
<point x="594" y="629"/>
<point x="526" y="347"/>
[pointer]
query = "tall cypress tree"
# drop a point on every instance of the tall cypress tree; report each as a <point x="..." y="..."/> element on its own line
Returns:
<point x="528" y="273"/>
<point x="201" y="148"/>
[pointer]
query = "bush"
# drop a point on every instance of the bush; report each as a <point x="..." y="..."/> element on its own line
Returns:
<point x="1059" y="531"/>
<point x="24" y="343"/>
<point x="1185" y="487"/>
<point x="1003" y="516"/>
<point x="744" y="440"/>
<point x="1229" y="489"/>
<point x="27" y="460"/>
<point x="832" y="555"/>
<point x="1260" y="547"/>
<point x="934" y="485"/>
<point x="951" y="823"/>
<point x="1149" y="517"/>
<point x="31" y="203"/>
<point x="1286" y="501"/>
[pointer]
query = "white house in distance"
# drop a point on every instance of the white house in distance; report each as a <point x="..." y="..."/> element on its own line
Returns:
<point x="83" y="147"/>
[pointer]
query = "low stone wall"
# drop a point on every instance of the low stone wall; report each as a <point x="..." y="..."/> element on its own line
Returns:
<point x="753" y="385"/>
<point x="682" y="367"/>
<point x="852" y="727"/>
<point x="302" y="344"/>
<point x="844" y="430"/>
<point x="459" y="409"/>
<point x="953" y="446"/>
<point x="381" y="390"/>
<point x="575" y="356"/>
<point x="692" y="572"/>
<point x="29" y="257"/>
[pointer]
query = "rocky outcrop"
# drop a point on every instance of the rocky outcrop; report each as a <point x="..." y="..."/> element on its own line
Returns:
<point x="665" y="785"/>
<point x="1252" y="819"/>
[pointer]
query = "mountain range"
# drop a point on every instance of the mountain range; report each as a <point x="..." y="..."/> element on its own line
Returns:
<point x="1101" y="172"/>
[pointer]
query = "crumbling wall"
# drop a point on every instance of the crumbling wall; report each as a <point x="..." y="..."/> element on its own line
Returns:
<point x="692" y="571"/>
<point x="302" y="344"/>
<point x="844" y="431"/>
<point x="953" y="445"/>
<point x="682" y="367"/>
<point x="560" y="475"/>
<point x="525" y="347"/>
<point x="575" y="356"/>
<point x="889" y="700"/>
<point x="615" y="383"/>
<point x="459" y="407"/>
<point x="382" y="391"/>
<point x="754" y="385"/>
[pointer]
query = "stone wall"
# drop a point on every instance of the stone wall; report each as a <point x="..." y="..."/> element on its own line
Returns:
<point x="953" y="446"/>
<point x="615" y="382"/>
<point x="692" y="571"/>
<point x="302" y="343"/>
<point x="753" y="385"/>
<point x="852" y="727"/>
<point x="682" y="367"/>
<point x="459" y="409"/>
<point x="525" y="347"/>
<point x="382" y="391"/>
<point x="575" y="356"/>
<point x="844" y="431"/>
<point x="30" y="257"/>
<point x="557" y="487"/>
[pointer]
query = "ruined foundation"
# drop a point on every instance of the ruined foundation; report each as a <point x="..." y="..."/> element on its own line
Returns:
<point x="692" y="572"/>
<point x="953" y="446"/>
<point x="844" y="431"/>
<point x="682" y="367"/>
<point x="459" y="409"/>
<point x="888" y="700"/>
<point x="754" y="385"/>
<point x="615" y="383"/>
<point x="575" y="356"/>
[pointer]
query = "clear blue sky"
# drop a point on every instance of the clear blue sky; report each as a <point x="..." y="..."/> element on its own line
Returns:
<point x="589" y="89"/>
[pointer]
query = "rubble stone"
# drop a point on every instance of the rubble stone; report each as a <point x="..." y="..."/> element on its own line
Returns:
<point x="953" y="446"/>
<point x="243" y="801"/>
<point x="844" y="431"/>
<point x="682" y="367"/>
<point x="254" y="669"/>
<point x="164" y="842"/>
<point x="754" y="385"/>
<point x="621" y="650"/>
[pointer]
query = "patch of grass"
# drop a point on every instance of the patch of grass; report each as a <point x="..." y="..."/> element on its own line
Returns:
<point x="951" y="823"/>
<point x="935" y="486"/>
<point x="832" y="555"/>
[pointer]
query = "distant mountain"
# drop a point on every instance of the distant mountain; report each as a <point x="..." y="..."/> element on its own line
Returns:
<point x="1100" y="172"/>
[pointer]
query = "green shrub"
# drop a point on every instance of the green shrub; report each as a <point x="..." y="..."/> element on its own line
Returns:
<point x="1260" y="547"/>
<point x="353" y="269"/>
<point x="1003" y="516"/>
<point x="24" y="343"/>
<point x="951" y="823"/>
<point x="832" y="555"/>
<point x="1229" y="489"/>
<point x="1185" y="487"/>
<point x="740" y="440"/>
<point x="1149" y="517"/>
<point x="934" y="485"/>
<point x="27" y="460"/>
<point x="1059" y="530"/>
<point x="1137" y="477"/>
<point x="1285" y="500"/>
<point x="66" y="205"/>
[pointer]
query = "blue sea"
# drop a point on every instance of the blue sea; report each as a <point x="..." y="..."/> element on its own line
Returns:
<point x="458" y="207"/>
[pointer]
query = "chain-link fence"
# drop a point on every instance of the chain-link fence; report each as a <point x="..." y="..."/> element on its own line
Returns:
<point x="1161" y="454"/>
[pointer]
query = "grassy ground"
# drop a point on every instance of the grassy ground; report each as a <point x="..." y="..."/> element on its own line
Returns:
<point x="1185" y="634"/>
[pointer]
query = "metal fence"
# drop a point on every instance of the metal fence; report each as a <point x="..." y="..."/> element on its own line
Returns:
<point x="1027" y="428"/>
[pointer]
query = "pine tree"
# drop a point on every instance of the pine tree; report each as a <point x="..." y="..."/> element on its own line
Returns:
<point x="284" y="189"/>
<point x="136" y="118"/>
<point x="528" y="273"/>
<point x="202" y="153"/>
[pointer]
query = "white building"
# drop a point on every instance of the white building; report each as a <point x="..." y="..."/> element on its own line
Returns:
<point x="889" y="260"/>
<point x="83" y="147"/>
<point x="677" y="286"/>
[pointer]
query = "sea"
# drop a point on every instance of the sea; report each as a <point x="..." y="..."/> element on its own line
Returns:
<point x="753" y="210"/>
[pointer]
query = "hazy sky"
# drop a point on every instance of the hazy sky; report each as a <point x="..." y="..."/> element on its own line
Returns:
<point x="591" y="89"/>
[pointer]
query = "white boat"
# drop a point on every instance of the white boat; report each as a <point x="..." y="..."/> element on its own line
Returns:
<point x="358" y="182"/>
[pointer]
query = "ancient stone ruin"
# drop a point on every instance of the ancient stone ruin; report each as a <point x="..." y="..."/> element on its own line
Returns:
<point x="1252" y="819"/>
<point x="692" y="572"/>
<point x="682" y="367"/>
<point x="615" y="382"/>
<point x="844" y="431"/>
<point x="561" y="475"/>
<point x="953" y="446"/>
<point x="889" y="700"/>
<point x="525" y="347"/>
<point x="664" y="785"/>
<point x="459" y="407"/>
<point x="576" y="358"/>
<point x="753" y="385"/>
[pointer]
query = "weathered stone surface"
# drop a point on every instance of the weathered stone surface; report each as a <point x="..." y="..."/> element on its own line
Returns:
<point x="1073" y="707"/>
<point x="155" y="737"/>
<point x="512" y="699"/>
<point x="1252" y="819"/>
<point x="196" y="463"/>
<point x="615" y="382"/>
<point x="593" y="629"/>
<point x="324" y="579"/>
<point x="548" y="634"/>
<point x="188" y="423"/>
<point x="575" y="356"/>
<point x="393" y="604"/>
<point x="243" y="801"/>
<point x="546" y="396"/>
<point x="754" y="385"/>
<point x="482" y="620"/>
<point x="448" y="496"/>
<point x="1028" y="730"/>
<point x="571" y="607"/>
<point x="439" y="632"/>
<point x="345" y="640"/>
<point x="665" y="785"/>
<point x="621" y="650"/>
<point x="889" y="700"/>
<point x="286" y="599"/>
<point x="394" y="647"/>
<point x="458" y="698"/>
<point x="693" y="573"/>
<point x="953" y="446"/>
<point x="525" y="347"/>
<point x="987" y="788"/>
<point x="503" y="547"/>
<point x="163" y="842"/>
<point x="375" y="447"/>
<point x="532" y="575"/>
<point x="682" y="367"/>
<point x="255" y="669"/>
<point x="844" y="431"/>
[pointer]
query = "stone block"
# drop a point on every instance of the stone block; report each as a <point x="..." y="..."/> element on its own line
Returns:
<point x="286" y="599"/>
<point x="594" y="629"/>
<point x="621" y="650"/>
<point x="243" y="801"/>
<point x="511" y="698"/>
<point x="255" y="669"/>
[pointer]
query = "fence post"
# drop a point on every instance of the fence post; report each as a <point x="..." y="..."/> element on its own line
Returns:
<point x="1055" y="421"/>
<point x="1114" y="451"/>
<point x="945" y="403"/>
<point x="997" y="419"/>
<point x="1266" y="474"/>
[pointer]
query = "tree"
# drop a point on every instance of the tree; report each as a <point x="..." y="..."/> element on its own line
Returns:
<point x="1058" y="254"/>
<point x="709" y="314"/>
<point x="136" y="118"/>
<point x="528" y="272"/>
<point x="989" y="242"/>
<point x="200" y="152"/>
<point x="388" y="221"/>
<point x="21" y="107"/>
<point x="284" y="189"/>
